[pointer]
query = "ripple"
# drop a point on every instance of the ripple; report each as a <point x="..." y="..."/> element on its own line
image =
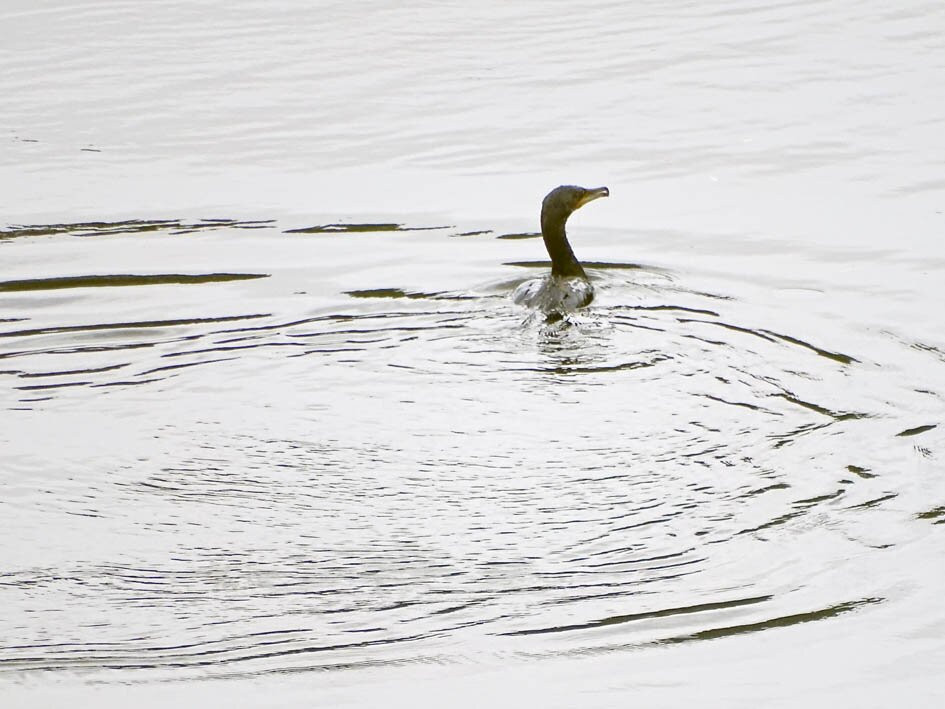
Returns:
<point x="33" y="284"/>
<point x="665" y="612"/>
<point x="131" y="226"/>
<point x="359" y="228"/>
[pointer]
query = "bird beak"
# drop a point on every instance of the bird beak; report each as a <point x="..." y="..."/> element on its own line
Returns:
<point x="592" y="194"/>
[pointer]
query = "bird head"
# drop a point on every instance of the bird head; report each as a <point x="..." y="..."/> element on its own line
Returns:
<point x="561" y="201"/>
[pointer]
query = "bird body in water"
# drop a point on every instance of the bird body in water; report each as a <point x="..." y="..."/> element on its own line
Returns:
<point x="567" y="287"/>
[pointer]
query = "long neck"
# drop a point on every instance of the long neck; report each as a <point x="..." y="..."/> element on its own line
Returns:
<point x="563" y="261"/>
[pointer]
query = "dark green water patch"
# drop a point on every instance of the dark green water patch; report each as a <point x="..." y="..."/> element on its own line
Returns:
<point x="936" y="513"/>
<point x="835" y="356"/>
<point x="727" y="326"/>
<point x="917" y="430"/>
<point x="125" y="383"/>
<point x="771" y="336"/>
<point x="185" y="365"/>
<point x="811" y="501"/>
<point x="385" y="293"/>
<point x="596" y="369"/>
<point x="129" y="325"/>
<point x="874" y="502"/>
<point x="767" y="488"/>
<point x="603" y="265"/>
<point x="45" y="387"/>
<point x="520" y="235"/>
<point x="131" y="226"/>
<point x="358" y="228"/>
<point x="784" y="621"/>
<point x="742" y="404"/>
<point x="191" y="227"/>
<point x="72" y="372"/>
<point x="784" y="439"/>
<point x="681" y="308"/>
<point x="33" y="284"/>
<point x="930" y="349"/>
<point x="400" y="293"/>
<point x="780" y="622"/>
<point x="631" y="617"/>
<point x="473" y="233"/>
<point x="841" y="416"/>
<point x="861" y="472"/>
<point x="777" y="521"/>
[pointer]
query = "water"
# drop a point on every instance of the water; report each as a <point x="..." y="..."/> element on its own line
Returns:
<point x="273" y="432"/>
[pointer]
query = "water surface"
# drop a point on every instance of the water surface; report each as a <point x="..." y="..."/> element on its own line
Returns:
<point x="273" y="431"/>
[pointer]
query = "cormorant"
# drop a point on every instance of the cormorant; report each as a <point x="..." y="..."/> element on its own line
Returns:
<point x="567" y="288"/>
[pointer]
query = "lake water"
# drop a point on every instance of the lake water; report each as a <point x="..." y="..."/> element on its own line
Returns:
<point x="273" y="433"/>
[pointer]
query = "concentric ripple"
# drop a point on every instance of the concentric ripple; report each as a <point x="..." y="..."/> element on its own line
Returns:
<point x="387" y="474"/>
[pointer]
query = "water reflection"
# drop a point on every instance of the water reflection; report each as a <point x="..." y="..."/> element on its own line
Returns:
<point x="122" y="280"/>
<point x="132" y="226"/>
<point x="359" y="228"/>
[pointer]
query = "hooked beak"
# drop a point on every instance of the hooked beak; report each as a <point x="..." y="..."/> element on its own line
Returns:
<point x="592" y="194"/>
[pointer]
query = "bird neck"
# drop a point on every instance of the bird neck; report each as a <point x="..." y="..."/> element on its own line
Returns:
<point x="563" y="261"/>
